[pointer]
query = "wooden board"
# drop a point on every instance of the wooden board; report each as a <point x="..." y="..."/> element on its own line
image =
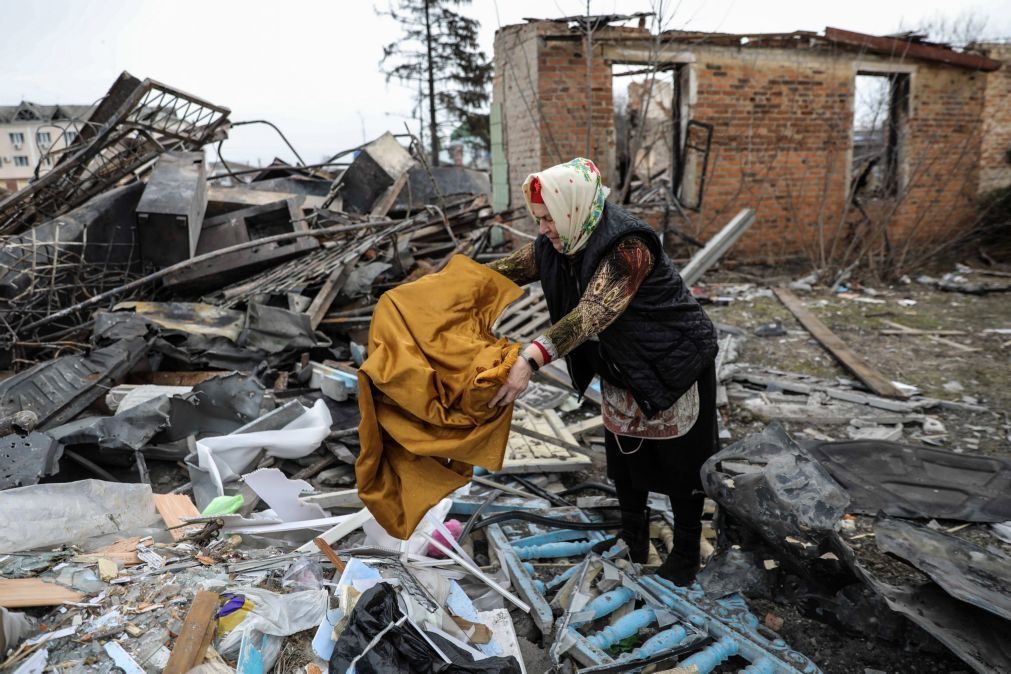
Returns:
<point x="28" y="592"/>
<point x="195" y="635"/>
<point x="174" y="378"/>
<point x="526" y="454"/>
<point x="586" y="426"/>
<point x="172" y="508"/>
<point x="327" y="294"/>
<point x="837" y="347"/>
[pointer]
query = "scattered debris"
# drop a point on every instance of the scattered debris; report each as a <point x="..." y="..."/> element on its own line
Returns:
<point x="195" y="342"/>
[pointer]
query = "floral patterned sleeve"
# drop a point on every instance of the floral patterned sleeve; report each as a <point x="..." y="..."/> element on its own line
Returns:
<point x="520" y="266"/>
<point x="611" y="290"/>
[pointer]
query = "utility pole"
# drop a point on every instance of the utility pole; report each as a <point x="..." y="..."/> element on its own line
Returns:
<point x="433" y="132"/>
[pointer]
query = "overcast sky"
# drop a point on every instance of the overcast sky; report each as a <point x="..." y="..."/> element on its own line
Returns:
<point x="312" y="67"/>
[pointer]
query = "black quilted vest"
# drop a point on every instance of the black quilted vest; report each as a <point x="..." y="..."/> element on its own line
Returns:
<point x="659" y="345"/>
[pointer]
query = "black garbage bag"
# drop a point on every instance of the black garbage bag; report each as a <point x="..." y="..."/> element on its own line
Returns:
<point x="401" y="649"/>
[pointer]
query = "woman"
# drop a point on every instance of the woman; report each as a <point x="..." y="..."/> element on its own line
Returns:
<point x="620" y="310"/>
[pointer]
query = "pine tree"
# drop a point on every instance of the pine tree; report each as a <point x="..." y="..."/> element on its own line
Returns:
<point x="441" y="45"/>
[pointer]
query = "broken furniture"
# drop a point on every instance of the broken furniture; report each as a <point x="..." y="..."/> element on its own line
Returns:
<point x="243" y="226"/>
<point x="376" y="168"/>
<point x="171" y="210"/>
<point x="604" y="603"/>
<point x="516" y="552"/>
<point x="134" y="123"/>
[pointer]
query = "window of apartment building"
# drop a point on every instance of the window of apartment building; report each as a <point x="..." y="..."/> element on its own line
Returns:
<point x="43" y="138"/>
<point x="880" y="118"/>
<point x="17" y="138"/>
<point x="47" y="161"/>
<point x="71" y="136"/>
<point x="20" y="160"/>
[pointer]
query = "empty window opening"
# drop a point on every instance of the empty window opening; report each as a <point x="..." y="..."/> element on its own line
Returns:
<point x="647" y="131"/>
<point x="660" y="153"/>
<point x="880" y="117"/>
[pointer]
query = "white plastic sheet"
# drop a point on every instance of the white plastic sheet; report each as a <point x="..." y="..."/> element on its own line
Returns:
<point x="52" y="514"/>
<point x="375" y="534"/>
<point x="226" y="456"/>
<point x="275" y="615"/>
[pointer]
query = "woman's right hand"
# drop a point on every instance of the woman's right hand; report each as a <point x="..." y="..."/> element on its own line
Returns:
<point x="516" y="383"/>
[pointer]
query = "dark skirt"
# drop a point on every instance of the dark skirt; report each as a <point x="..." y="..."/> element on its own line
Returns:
<point x="669" y="466"/>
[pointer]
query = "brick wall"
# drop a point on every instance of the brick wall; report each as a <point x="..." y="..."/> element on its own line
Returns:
<point x="780" y="145"/>
<point x="995" y="155"/>
<point x="782" y="142"/>
<point x="575" y="123"/>
<point x="942" y="162"/>
<point x="514" y="87"/>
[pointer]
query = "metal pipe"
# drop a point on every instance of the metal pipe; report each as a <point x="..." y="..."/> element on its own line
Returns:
<point x="477" y="572"/>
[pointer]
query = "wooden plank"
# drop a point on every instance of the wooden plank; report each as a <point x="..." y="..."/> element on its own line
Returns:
<point x="325" y="548"/>
<point x="837" y="347"/>
<point x="174" y="378"/>
<point x="910" y="49"/>
<point x="910" y="332"/>
<point x="172" y="508"/>
<point x="121" y="558"/>
<point x="29" y="592"/>
<point x="327" y="294"/>
<point x="192" y="642"/>
<point x="587" y="425"/>
<point x="953" y="344"/>
<point x="932" y="335"/>
<point x="385" y="202"/>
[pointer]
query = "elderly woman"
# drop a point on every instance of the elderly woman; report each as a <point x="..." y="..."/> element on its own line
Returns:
<point x="620" y="310"/>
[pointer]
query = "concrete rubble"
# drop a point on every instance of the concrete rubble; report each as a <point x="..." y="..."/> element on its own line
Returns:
<point x="180" y="428"/>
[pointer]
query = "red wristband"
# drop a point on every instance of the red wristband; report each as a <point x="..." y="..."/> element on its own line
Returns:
<point x="544" y="352"/>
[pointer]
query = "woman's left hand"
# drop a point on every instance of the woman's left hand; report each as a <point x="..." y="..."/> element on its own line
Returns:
<point x="516" y="383"/>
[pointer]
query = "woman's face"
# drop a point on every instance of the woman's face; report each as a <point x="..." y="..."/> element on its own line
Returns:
<point x="546" y="225"/>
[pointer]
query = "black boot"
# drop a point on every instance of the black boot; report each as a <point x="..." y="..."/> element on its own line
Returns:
<point x="682" y="564"/>
<point x="635" y="533"/>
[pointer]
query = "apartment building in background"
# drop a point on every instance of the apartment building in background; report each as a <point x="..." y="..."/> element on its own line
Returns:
<point x="29" y="132"/>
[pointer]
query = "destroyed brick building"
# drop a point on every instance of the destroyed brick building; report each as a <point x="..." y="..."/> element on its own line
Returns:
<point x="192" y="377"/>
<point x="777" y="112"/>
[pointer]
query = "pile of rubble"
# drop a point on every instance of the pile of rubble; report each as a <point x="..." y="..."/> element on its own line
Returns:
<point x="181" y="432"/>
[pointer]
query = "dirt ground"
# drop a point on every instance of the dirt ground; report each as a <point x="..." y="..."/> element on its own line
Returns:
<point x="976" y="374"/>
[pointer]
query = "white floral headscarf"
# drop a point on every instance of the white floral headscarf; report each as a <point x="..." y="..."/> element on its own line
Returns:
<point x="574" y="196"/>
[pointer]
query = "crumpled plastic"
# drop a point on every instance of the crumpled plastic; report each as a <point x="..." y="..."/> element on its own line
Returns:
<point x="225" y="457"/>
<point x="402" y="649"/>
<point x="274" y="616"/>
<point x="52" y="514"/>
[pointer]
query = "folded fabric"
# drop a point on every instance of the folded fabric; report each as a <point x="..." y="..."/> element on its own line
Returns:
<point x="433" y="366"/>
